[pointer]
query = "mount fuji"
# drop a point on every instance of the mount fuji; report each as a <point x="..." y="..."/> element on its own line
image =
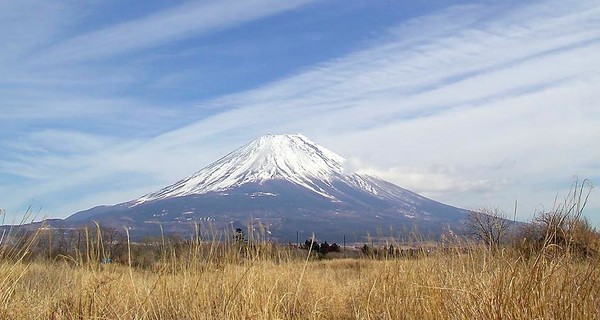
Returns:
<point x="288" y="185"/>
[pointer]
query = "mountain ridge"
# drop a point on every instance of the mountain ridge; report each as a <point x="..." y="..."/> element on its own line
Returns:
<point x="289" y="184"/>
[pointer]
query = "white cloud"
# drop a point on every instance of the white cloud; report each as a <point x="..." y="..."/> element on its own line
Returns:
<point x="433" y="181"/>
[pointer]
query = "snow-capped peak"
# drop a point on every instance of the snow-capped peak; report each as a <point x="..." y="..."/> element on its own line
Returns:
<point x="291" y="157"/>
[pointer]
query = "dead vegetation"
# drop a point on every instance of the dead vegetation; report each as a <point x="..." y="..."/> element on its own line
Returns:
<point x="477" y="284"/>
<point x="550" y="270"/>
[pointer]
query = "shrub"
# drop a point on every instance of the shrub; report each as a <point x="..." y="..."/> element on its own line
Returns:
<point x="564" y="228"/>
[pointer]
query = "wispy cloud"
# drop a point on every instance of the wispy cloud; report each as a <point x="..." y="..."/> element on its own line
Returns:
<point x="473" y="105"/>
<point x="43" y="74"/>
<point x="29" y="24"/>
<point x="184" y="21"/>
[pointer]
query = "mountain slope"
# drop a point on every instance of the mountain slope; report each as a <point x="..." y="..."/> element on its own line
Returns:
<point x="290" y="185"/>
<point x="293" y="158"/>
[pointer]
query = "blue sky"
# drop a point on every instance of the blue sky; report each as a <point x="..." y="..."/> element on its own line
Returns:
<point x="470" y="103"/>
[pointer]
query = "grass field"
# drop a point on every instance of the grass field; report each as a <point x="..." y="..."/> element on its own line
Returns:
<point x="220" y="281"/>
<point x="550" y="269"/>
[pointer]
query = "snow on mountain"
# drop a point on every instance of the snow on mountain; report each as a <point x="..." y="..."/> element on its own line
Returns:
<point x="291" y="157"/>
<point x="289" y="184"/>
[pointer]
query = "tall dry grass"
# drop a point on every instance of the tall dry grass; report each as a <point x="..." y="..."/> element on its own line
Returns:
<point x="216" y="280"/>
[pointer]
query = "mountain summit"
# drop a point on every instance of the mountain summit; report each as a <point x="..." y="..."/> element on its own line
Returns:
<point x="290" y="157"/>
<point x="291" y="185"/>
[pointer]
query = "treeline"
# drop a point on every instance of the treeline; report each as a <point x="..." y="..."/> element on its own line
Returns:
<point x="323" y="248"/>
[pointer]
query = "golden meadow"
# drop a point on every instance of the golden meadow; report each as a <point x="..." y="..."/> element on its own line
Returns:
<point x="548" y="269"/>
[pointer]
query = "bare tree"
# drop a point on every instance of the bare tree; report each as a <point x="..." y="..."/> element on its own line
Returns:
<point x="489" y="225"/>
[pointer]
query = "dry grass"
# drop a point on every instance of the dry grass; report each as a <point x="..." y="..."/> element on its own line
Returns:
<point x="217" y="282"/>
<point x="554" y="276"/>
